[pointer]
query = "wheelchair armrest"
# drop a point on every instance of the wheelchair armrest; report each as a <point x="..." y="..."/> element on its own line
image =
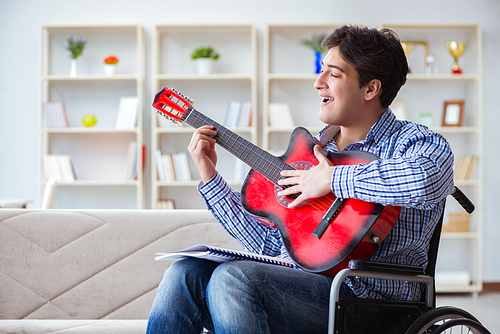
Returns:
<point x="383" y="267"/>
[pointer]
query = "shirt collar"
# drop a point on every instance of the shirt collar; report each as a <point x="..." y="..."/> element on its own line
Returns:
<point x="383" y="128"/>
<point x="378" y="133"/>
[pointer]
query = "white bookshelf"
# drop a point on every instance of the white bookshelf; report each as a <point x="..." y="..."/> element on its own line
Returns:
<point x="289" y="76"/>
<point x="234" y="78"/>
<point x="99" y="153"/>
<point x="459" y="252"/>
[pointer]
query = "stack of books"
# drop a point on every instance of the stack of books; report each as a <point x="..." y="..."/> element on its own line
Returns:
<point x="173" y="167"/>
<point x="239" y="114"/>
<point x="54" y="114"/>
<point x="127" y="113"/>
<point x="59" y="167"/>
<point x="464" y="167"/>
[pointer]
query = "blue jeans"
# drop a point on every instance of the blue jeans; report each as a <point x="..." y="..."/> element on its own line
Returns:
<point x="240" y="297"/>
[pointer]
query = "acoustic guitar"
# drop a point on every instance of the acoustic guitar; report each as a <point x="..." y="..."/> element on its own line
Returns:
<point x="323" y="234"/>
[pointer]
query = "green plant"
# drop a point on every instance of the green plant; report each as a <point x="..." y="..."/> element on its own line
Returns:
<point x="205" y="52"/>
<point x="75" y="47"/>
<point x="314" y="42"/>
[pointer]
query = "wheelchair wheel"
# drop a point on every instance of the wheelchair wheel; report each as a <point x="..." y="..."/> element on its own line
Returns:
<point x="434" y="318"/>
<point x="461" y="326"/>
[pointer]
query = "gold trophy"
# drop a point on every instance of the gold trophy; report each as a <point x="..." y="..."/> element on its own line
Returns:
<point x="456" y="50"/>
<point x="408" y="48"/>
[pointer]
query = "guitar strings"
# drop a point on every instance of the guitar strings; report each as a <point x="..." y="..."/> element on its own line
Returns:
<point x="267" y="164"/>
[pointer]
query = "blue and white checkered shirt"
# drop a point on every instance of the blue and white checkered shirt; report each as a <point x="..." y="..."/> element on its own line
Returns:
<point x="415" y="171"/>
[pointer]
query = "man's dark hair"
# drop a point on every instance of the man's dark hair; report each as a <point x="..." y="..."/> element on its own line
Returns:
<point x="375" y="54"/>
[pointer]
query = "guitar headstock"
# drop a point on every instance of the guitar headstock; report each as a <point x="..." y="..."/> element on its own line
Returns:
<point x="171" y="104"/>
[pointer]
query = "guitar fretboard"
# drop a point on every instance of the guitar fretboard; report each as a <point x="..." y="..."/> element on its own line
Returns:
<point x="260" y="160"/>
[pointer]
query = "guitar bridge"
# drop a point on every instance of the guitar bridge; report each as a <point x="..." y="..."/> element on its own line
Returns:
<point x="328" y="217"/>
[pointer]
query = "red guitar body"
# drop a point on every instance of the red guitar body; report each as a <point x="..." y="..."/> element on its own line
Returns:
<point x="354" y="233"/>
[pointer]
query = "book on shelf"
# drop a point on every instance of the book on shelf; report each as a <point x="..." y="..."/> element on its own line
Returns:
<point x="240" y="170"/>
<point x="221" y="255"/>
<point x="280" y="116"/>
<point x="131" y="173"/>
<point x="59" y="167"/>
<point x="165" y="204"/>
<point x="246" y="114"/>
<point x="239" y="114"/>
<point x="172" y="166"/>
<point x="54" y="114"/>
<point x="127" y="113"/>
<point x="464" y="167"/>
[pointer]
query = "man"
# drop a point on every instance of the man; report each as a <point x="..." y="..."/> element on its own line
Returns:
<point x="361" y="75"/>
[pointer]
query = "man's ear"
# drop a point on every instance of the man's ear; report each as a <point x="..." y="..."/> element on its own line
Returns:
<point x="373" y="89"/>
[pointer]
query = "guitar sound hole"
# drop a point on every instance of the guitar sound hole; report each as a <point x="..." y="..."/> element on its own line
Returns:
<point x="285" y="200"/>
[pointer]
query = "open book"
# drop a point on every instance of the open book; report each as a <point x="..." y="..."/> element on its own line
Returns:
<point x="221" y="255"/>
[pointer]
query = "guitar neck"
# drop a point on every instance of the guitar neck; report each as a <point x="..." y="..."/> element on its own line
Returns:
<point x="263" y="162"/>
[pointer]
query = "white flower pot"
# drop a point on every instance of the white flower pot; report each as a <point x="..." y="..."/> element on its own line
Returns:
<point x="110" y="69"/>
<point x="72" y="73"/>
<point x="204" y="65"/>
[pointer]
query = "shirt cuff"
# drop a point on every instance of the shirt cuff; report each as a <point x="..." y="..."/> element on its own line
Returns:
<point x="343" y="181"/>
<point x="214" y="190"/>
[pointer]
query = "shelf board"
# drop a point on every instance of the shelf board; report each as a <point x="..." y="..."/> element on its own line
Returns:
<point x="455" y="129"/>
<point x="193" y="183"/>
<point x="292" y="76"/>
<point x="311" y="129"/>
<point x="92" y="77"/>
<point x="88" y="130"/>
<point x="411" y="76"/>
<point x="190" y="130"/>
<point x="470" y="182"/>
<point x="98" y="183"/>
<point x="454" y="288"/>
<point x="460" y="235"/>
<point x="441" y="76"/>
<point x="219" y="76"/>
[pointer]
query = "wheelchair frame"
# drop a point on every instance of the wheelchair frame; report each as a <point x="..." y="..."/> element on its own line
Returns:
<point x="434" y="320"/>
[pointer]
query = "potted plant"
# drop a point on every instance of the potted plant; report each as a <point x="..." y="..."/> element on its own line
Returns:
<point x="204" y="57"/>
<point x="110" y="65"/>
<point x="75" y="47"/>
<point x="314" y="43"/>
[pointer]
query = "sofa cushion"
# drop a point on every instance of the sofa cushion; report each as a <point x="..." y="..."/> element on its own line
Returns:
<point x="92" y="264"/>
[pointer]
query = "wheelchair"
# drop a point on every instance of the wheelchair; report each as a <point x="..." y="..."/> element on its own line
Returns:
<point x="357" y="315"/>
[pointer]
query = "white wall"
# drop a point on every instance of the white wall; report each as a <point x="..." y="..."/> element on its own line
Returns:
<point x="20" y="22"/>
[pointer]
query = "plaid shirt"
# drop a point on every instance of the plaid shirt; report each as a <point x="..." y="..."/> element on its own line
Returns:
<point x="415" y="171"/>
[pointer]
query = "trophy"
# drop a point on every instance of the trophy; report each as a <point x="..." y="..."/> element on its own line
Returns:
<point x="456" y="50"/>
<point x="408" y="48"/>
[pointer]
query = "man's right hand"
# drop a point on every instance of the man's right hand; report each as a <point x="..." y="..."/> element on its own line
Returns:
<point x="202" y="150"/>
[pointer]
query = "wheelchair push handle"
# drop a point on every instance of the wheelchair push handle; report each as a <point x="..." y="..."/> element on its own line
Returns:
<point x="464" y="201"/>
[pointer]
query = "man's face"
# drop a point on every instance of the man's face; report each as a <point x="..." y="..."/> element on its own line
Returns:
<point x="341" y="97"/>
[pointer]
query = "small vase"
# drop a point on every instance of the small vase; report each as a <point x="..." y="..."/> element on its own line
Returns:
<point x="317" y="62"/>
<point x="72" y="73"/>
<point x="110" y="69"/>
<point x="204" y="65"/>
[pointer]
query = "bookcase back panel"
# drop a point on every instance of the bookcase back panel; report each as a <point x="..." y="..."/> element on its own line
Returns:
<point x="95" y="156"/>
<point x="84" y="197"/>
<point x="101" y="43"/>
<point x="98" y="98"/>
<point x="177" y="44"/>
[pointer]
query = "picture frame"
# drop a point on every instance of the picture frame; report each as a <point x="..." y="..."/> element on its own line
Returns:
<point x="399" y="109"/>
<point x="416" y="52"/>
<point x="453" y="112"/>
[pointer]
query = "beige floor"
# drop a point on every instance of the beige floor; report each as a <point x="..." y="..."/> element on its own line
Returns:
<point x="485" y="307"/>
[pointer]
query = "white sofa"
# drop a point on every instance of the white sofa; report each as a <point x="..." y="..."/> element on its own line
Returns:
<point x="90" y="271"/>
